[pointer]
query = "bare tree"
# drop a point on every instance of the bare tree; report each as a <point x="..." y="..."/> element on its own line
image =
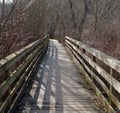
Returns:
<point x="83" y="18"/>
<point x="24" y="21"/>
<point x="72" y="14"/>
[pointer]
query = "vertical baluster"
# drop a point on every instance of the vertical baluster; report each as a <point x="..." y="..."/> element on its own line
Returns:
<point x="83" y="50"/>
<point x="92" y="68"/>
<point x="111" y="73"/>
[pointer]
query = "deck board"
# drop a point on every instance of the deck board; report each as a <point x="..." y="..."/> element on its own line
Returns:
<point x="57" y="86"/>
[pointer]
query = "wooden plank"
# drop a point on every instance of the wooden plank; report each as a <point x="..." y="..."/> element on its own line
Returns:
<point x="32" y="65"/>
<point x="8" y="61"/>
<point x="59" y="89"/>
<point x="112" y="81"/>
<point x="5" y="103"/>
<point x="107" y="91"/>
<point x="113" y="63"/>
<point x="40" y="50"/>
<point x="98" y="93"/>
<point x="6" y="85"/>
<point x="14" y="75"/>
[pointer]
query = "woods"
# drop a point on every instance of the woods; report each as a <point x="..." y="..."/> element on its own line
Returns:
<point x="19" y="25"/>
<point x="95" y="22"/>
<point x="25" y="29"/>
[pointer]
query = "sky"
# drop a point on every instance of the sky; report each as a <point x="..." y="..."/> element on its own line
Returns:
<point x="6" y="1"/>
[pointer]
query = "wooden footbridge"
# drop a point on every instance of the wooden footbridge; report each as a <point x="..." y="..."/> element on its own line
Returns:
<point x="48" y="77"/>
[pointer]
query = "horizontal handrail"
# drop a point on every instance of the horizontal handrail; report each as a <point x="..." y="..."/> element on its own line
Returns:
<point x="106" y="86"/>
<point x="16" y="78"/>
<point x="11" y="59"/>
<point x="113" y="63"/>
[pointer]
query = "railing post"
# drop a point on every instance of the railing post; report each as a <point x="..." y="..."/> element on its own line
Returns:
<point x="111" y="73"/>
<point x="16" y="69"/>
<point x="104" y="82"/>
<point x="94" y="60"/>
<point x="83" y="50"/>
<point x="92" y="69"/>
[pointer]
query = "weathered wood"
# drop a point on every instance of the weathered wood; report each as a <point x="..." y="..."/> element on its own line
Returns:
<point x="98" y="93"/>
<point x="14" y="75"/>
<point x="57" y="87"/>
<point x="23" y="77"/>
<point x="10" y="60"/>
<point x="110" y="61"/>
<point x="106" y="90"/>
<point x="37" y="48"/>
<point x="74" y="46"/>
<point x="113" y="82"/>
<point x="30" y="70"/>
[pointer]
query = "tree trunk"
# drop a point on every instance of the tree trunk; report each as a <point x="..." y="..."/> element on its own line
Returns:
<point x="53" y="27"/>
<point x="72" y="14"/>
<point x="82" y="22"/>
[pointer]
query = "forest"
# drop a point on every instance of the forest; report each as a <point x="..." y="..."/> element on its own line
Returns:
<point x="76" y="71"/>
<point x="94" y="22"/>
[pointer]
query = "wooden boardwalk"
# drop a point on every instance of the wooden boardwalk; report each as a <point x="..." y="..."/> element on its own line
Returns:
<point x="57" y="86"/>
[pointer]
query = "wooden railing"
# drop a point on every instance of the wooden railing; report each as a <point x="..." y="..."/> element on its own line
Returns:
<point x="102" y="72"/>
<point x="16" y="69"/>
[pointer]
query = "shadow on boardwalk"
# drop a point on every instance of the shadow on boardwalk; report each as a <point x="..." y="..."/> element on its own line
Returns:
<point x="56" y="86"/>
<point x="38" y="93"/>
